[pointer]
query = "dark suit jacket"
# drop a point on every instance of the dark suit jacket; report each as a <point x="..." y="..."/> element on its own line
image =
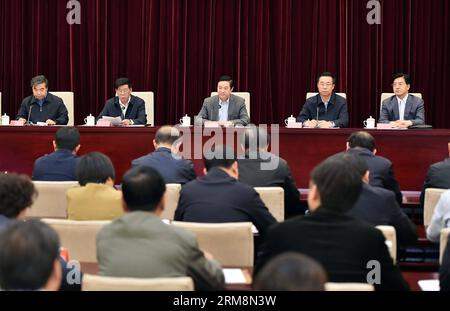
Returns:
<point x="57" y="166"/>
<point x="341" y="243"/>
<point x="381" y="173"/>
<point x="336" y="112"/>
<point x="444" y="271"/>
<point x="237" y="112"/>
<point x="135" y="111"/>
<point x="218" y="198"/>
<point x="377" y="206"/>
<point x="414" y="110"/>
<point x="53" y="108"/>
<point x="250" y="173"/>
<point x="174" y="170"/>
<point x="438" y="176"/>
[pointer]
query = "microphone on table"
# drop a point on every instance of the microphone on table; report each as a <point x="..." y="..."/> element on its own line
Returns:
<point x="29" y="115"/>
<point x="317" y="115"/>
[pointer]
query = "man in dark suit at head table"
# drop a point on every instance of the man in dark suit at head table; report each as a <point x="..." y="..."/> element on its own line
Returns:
<point x="130" y="108"/>
<point x="402" y="109"/>
<point x="226" y="108"/>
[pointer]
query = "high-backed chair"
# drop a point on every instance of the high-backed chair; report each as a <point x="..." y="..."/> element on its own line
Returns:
<point x="311" y="94"/>
<point x="79" y="237"/>
<point x="349" y="287"/>
<point x="67" y="97"/>
<point x="51" y="201"/>
<point x="443" y="243"/>
<point x="231" y="244"/>
<point x="387" y="95"/>
<point x="149" y="99"/>
<point x="244" y="95"/>
<point x="172" y="196"/>
<point x="432" y="196"/>
<point x="391" y="240"/>
<point x="106" y="283"/>
<point x="273" y="198"/>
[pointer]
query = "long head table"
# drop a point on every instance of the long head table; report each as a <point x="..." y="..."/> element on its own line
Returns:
<point x="411" y="151"/>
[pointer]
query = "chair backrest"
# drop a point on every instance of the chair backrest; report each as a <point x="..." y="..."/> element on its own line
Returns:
<point x="79" y="237"/>
<point x="348" y="287"/>
<point x="51" y="201"/>
<point x="391" y="240"/>
<point x="244" y="95"/>
<point x="172" y="196"/>
<point x="311" y="94"/>
<point x="67" y="98"/>
<point x="387" y="95"/>
<point x="149" y="99"/>
<point x="443" y="243"/>
<point x="231" y="244"/>
<point x="432" y="196"/>
<point x="273" y="198"/>
<point x="106" y="283"/>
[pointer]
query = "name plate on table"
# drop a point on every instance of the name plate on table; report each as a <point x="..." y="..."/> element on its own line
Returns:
<point x="296" y="125"/>
<point x="17" y="123"/>
<point x="384" y="126"/>
<point x="103" y="123"/>
<point x="211" y="124"/>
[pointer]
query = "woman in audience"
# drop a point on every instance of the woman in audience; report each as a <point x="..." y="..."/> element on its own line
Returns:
<point x="96" y="199"/>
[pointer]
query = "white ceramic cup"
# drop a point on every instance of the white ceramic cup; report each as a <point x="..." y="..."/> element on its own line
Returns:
<point x="90" y="120"/>
<point x="369" y="123"/>
<point x="290" y="120"/>
<point x="5" y="119"/>
<point x="185" y="121"/>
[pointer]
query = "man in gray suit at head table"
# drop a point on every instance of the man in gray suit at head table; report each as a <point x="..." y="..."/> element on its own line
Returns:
<point x="225" y="108"/>
<point x="402" y="109"/>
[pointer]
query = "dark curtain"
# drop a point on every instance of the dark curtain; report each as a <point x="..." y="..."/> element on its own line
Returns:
<point x="273" y="48"/>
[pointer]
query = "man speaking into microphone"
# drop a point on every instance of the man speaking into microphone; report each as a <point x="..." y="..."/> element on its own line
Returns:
<point x="326" y="109"/>
<point x="42" y="106"/>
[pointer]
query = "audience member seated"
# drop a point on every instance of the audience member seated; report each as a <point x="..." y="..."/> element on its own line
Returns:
<point x="59" y="165"/>
<point x="291" y="272"/>
<point x="444" y="272"/>
<point x="381" y="171"/>
<point x="264" y="169"/>
<point x="438" y="176"/>
<point x="440" y="218"/>
<point x="96" y="199"/>
<point x="378" y="207"/>
<point x="173" y="168"/>
<point x="140" y="245"/>
<point x="343" y="244"/>
<point x="219" y="197"/>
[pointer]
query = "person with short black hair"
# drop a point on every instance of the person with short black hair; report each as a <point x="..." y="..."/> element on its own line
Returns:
<point x="165" y="159"/>
<point x="43" y="106"/>
<point x="59" y="165"/>
<point x="219" y="197"/>
<point x="326" y="109"/>
<point x="140" y="245"/>
<point x="402" y="109"/>
<point x="96" y="199"/>
<point x="343" y="244"/>
<point x="226" y="108"/>
<point x="125" y="105"/>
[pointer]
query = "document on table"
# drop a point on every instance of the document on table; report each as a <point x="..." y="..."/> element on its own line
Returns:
<point x="115" y="121"/>
<point x="429" y="285"/>
<point x="234" y="276"/>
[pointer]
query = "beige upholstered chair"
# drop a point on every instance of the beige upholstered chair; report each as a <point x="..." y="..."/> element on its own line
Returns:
<point x="172" y="196"/>
<point x="387" y="95"/>
<point x="67" y="97"/>
<point x="79" y="237"/>
<point x="391" y="240"/>
<point x="149" y="99"/>
<point x="244" y="95"/>
<point x="311" y="94"/>
<point x="51" y="201"/>
<point x="432" y="196"/>
<point x="443" y="243"/>
<point x="105" y="283"/>
<point x="348" y="287"/>
<point x="273" y="198"/>
<point x="231" y="244"/>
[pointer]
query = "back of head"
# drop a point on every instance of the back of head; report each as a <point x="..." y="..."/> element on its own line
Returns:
<point x="28" y="251"/>
<point x="94" y="167"/>
<point x="338" y="182"/>
<point x="291" y="272"/>
<point x="143" y="189"/>
<point x="17" y="193"/>
<point x="361" y="139"/>
<point x="67" y="138"/>
<point x="255" y="138"/>
<point x="221" y="156"/>
<point x="167" y="135"/>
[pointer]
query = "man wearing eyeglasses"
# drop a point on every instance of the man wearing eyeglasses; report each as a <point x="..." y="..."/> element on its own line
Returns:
<point x="402" y="109"/>
<point x="326" y="109"/>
